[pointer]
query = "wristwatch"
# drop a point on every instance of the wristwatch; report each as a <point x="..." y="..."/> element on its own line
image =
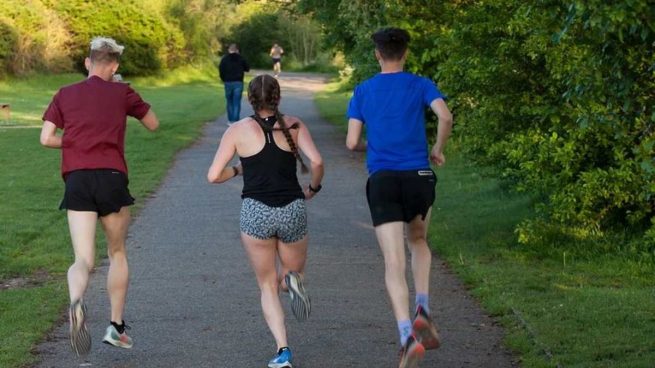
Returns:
<point x="315" y="190"/>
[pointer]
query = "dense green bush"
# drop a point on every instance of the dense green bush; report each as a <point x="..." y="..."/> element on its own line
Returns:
<point x="54" y="35"/>
<point x="8" y="40"/>
<point x="150" y="42"/>
<point x="557" y="95"/>
<point x="31" y="38"/>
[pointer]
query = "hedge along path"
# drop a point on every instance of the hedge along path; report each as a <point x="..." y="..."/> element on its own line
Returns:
<point x="194" y="301"/>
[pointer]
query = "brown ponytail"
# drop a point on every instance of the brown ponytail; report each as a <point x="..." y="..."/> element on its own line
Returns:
<point x="264" y="93"/>
<point x="292" y="144"/>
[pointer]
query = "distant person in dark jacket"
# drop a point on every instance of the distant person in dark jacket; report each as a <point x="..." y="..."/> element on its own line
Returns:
<point x="231" y="70"/>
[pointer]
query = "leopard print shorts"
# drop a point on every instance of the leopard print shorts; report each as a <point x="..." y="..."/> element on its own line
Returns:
<point x="287" y="223"/>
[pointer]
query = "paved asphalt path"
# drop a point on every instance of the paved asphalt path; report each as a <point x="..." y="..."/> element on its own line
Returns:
<point x="193" y="299"/>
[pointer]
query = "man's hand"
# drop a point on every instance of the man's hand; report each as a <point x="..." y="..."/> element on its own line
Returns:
<point x="444" y="128"/>
<point x="437" y="157"/>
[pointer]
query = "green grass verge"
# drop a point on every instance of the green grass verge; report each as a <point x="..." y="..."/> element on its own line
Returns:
<point x="26" y="315"/>
<point x="34" y="237"/>
<point x="332" y="103"/>
<point x="572" y="309"/>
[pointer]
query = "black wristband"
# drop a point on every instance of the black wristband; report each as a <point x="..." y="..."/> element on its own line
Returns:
<point x="315" y="190"/>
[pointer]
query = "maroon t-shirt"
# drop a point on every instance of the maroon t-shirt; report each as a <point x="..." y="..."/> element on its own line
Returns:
<point x="93" y="114"/>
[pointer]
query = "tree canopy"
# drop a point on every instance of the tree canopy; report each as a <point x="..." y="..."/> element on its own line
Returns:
<point x="556" y="95"/>
<point x="53" y="35"/>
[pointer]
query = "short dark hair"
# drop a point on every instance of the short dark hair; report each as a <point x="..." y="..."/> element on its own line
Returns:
<point x="391" y="42"/>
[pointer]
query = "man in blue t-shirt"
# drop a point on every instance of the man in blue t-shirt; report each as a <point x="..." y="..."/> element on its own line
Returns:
<point x="401" y="185"/>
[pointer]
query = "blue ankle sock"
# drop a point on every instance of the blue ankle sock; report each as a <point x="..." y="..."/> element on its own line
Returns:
<point x="422" y="300"/>
<point x="405" y="330"/>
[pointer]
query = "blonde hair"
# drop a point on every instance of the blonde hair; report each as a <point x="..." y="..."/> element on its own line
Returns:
<point x="105" y="49"/>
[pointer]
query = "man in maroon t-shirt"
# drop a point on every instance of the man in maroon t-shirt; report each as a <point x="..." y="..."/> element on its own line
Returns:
<point x="93" y="116"/>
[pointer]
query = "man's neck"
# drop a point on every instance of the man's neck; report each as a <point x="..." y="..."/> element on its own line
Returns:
<point x="103" y="76"/>
<point x="388" y="67"/>
<point x="104" y="73"/>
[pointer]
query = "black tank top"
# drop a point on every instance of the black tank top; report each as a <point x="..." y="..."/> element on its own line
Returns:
<point x="269" y="176"/>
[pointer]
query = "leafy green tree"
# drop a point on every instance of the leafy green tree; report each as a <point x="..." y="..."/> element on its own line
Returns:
<point x="302" y="35"/>
<point x="256" y="28"/>
<point x="203" y="23"/>
<point x="348" y="26"/>
<point x="256" y="25"/>
<point x="556" y="95"/>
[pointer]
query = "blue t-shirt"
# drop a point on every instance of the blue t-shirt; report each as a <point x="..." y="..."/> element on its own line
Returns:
<point x="392" y="106"/>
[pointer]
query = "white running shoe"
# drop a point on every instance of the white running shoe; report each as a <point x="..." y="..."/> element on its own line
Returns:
<point x="300" y="303"/>
<point x="79" y="334"/>
<point x="120" y="340"/>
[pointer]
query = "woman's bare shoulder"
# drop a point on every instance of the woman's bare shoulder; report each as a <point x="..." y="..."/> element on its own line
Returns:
<point x="245" y="123"/>
<point x="243" y="127"/>
<point x="291" y="120"/>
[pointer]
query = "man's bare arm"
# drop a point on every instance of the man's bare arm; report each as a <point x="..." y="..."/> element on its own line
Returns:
<point x="49" y="137"/>
<point x="443" y="130"/>
<point x="150" y="121"/>
<point x="354" y="140"/>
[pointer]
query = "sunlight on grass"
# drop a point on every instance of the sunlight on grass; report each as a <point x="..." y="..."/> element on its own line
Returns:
<point x="332" y="102"/>
<point x="30" y="96"/>
<point x="184" y="75"/>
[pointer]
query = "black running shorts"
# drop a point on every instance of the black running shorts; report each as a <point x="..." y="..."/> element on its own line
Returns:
<point x="400" y="195"/>
<point x="103" y="191"/>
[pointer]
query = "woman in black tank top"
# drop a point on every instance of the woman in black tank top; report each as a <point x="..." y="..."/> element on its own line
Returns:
<point x="273" y="216"/>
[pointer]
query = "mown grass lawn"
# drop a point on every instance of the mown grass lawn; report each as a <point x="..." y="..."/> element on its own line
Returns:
<point x="34" y="239"/>
<point x="566" y="305"/>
